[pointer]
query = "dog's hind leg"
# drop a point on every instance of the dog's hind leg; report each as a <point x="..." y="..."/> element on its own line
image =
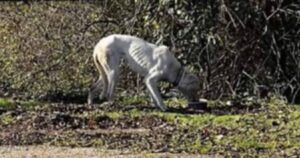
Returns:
<point x="105" y="72"/>
<point x="100" y="60"/>
<point x="113" y="75"/>
<point x="94" y="88"/>
<point x="96" y="85"/>
<point x="108" y="67"/>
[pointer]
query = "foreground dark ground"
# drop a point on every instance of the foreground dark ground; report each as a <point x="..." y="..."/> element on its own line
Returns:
<point x="270" y="128"/>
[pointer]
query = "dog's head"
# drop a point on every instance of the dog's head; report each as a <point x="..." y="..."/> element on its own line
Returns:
<point x="189" y="85"/>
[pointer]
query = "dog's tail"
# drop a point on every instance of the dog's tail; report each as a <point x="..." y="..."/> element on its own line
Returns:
<point x="100" y="61"/>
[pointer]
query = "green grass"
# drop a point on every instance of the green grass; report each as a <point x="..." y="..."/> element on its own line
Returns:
<point x="226" y="120"/>
<point x="270" y="130"/>
<point x="6" y="119"/>
<point x="135" y="100"/>
<point x="5" y="103"/>
<point x="276" y="127"/>
<point x="11" y="104"/>
<point x="113" y="115"/>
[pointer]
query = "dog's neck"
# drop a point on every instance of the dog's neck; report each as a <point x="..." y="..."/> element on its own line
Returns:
<point x="179" y="76"/>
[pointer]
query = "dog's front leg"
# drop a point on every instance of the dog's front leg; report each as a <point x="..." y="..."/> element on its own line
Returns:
<point x="151" y="82"/>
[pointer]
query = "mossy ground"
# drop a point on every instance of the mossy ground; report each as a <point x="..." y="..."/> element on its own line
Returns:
<point x="273" y="128"/>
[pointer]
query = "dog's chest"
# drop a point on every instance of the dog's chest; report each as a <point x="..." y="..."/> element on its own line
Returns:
<point x="140" y="57"/>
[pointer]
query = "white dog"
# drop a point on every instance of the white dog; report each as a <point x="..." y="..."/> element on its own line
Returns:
<point x="155" y="63"/>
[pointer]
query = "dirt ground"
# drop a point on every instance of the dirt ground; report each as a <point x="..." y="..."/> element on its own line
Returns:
<point x="66" y="152"/>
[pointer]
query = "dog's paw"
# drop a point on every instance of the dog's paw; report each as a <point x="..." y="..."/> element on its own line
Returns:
<point x="164" y="110"/>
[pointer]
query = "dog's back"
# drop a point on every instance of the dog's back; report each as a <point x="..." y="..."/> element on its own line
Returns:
<point x="139" y="54"/>
<point x="124" y="43"/>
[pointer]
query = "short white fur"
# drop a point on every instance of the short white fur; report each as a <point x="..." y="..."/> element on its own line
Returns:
<point x="155" y="63"/>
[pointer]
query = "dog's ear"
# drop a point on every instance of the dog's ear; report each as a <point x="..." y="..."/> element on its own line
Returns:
<point x="165" y="47"/>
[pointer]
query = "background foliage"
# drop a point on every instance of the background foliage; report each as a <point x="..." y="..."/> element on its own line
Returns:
<point x="237" y="47"/>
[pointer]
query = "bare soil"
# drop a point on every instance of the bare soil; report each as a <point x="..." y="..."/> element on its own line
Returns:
<point x="68" y="152"/>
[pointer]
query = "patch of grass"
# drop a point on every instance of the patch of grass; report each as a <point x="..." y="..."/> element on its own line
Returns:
<point x="29" y="104"/>
<point x="248" y="141"/>
<point x="188" y="120"/>
<point x="295" y="115"/>
<point x="226" y="120"/>
<point x="135" y="100"/>
<point x="202" y="148"/>
<point x="139" y="100"/>
<point x="6" y="119"/>
<point x="193" y="120"/>
<point x="5" y="103"/>
<point x="114" y="115"/>
<point x="176" y="102"/>
<point x="135" y="113"/>
<point x="11" y="104"/>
